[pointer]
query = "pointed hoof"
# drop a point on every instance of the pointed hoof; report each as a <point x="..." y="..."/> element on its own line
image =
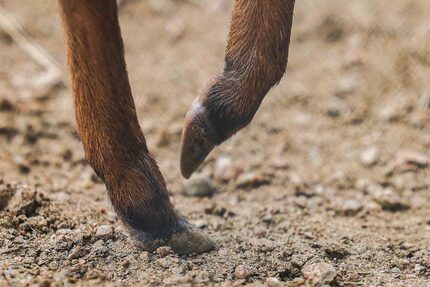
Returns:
<point x="198" y="139"/>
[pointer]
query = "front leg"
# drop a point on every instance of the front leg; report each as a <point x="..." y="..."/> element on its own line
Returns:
<point x="109" y="129"/>
<point x="255" y="61"/>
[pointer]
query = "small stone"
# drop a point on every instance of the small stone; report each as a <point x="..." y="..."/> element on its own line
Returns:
<point x="335" y="251"/>
<point x="319" y="274"/>
<point x="37" y="222"/>
<point x="104" y="232"/>
<point x="163" y="251"/>
<point x="53" y="265"/>
<point x="224" y="252"/>
<point x="200" y="185"/>
<point x="163" y="262"/>
<point x="273" y="282"/>
<point x="77" y="252"/>
<point x="335" y="108"/>
<point x="345" y="87"/>
<point x="390" y="200"/>
<point x="251" y="179"/>
<point x="125" y="263"/>
<point x="278" y="163"/>
<point x="350" y="207"/>
<point x="370" y="156"/>
<point x="242" y="272"/>
<point x="299" y="260"/>
<point x="144" y="256"/>
<point x="390" y="113"/>
<point x="226" y="170"/>
<point x="99" y="248"/>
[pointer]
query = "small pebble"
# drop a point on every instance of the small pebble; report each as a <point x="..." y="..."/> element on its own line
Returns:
<point x="299" y="260"/>
<point x="226" y="170"/>
<point x="370" y="156"/>
<point x="242" y="272"/>
<point x="390" y="200"/>
<point x="390" y="113"/>
<point x="104" y="232"/>
<point x="163" y="251"/>
<point x="335" y="250"/>
<point x="319" y="274"/>
<point x="350" y="207"/>
<point x="125" y="263"/>
<point x="200" y="185"/>
<point x="336" y="108"/>
<point x="273" y="282"/>
<point x="77" y="252"/>
<point x="53" y="265"/>
<point x="345" y="87"/>
<point x="144" y="256"/>
<point x="163" y="262"/>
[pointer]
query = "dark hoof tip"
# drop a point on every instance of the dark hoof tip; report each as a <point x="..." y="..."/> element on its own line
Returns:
<point x="188" y="241"/>
<point x="198" y="139"/>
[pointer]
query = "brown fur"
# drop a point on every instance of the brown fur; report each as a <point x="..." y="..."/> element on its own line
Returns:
<point x="256" y="59"/>
<point x="114" y="144"/>
<point x="105" y="112"/>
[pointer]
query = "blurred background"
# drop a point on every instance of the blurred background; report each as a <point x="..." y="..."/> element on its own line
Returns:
<point x="333" y="168"/>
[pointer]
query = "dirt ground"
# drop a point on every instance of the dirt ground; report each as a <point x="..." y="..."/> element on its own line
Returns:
<point x="335" y="164"/>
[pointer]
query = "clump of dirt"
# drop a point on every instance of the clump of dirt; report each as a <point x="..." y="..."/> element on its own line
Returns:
<point x="6" y="193"/>
<point x="27" y="210"/>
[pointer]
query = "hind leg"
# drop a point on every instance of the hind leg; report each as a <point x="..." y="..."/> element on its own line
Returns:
<point x="255" y="61"/>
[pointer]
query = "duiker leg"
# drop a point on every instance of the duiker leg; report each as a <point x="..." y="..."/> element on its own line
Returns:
<point x="256" y="59"/>
<point x="108" y="126"/>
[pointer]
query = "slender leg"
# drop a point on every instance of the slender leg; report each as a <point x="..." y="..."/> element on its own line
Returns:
<point x="256" y="59"/>
<point x="108" y="126"/>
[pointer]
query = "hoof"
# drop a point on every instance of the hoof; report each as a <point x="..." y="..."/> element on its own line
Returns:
<point x="188" y="240"/>
<point x="198" y="139"/>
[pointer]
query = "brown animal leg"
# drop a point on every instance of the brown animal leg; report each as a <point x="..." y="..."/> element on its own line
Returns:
<point x="108" y="126"/>
<point x="256" y="59"/>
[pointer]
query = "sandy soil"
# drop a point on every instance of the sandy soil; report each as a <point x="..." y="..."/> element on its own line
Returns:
<point x="335" y="163"/>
